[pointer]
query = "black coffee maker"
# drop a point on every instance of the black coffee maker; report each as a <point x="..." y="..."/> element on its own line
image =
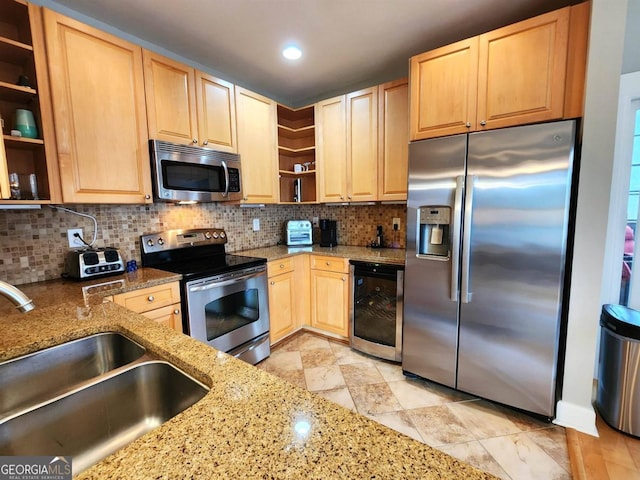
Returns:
<point x="328" y="233"/>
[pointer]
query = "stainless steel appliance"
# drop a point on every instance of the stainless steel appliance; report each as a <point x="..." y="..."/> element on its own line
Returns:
<point x="375" y="309"/>
<point x="488" y="229"/>
<point x="93" y="263"/>
<point x="190" y="174"/>
<point x="224" y="297"/>
<point x="328" y="233"/>
<point x="299" y="232"/>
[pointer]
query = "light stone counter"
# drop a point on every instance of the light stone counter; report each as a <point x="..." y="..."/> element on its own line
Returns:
<point x="381" y="255"/>
<point x="250" y="425"/>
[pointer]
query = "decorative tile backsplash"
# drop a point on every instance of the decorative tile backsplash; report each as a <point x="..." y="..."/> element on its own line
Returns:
<point x="33" y="243"/>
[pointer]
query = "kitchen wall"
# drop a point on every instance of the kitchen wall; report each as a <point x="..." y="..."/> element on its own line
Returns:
<point x="33" y="243"/>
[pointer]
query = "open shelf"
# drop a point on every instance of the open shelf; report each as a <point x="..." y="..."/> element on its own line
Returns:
<point x="24" y="156"/>
<point x="297" y="145"/>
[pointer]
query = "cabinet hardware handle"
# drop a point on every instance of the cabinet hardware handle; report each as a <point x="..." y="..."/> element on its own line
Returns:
<point x="147" y="197"/>
<point x="282" y="265"/>
<point x="328" y="263"/>
<point x="272" y="282"/>
<point x="195" y="140"/>
<point x="468" y="125"/>
<point x="151" y="298"/>
<point x="341" y="197"/>
<point x="349" y="197"/>
<point x="344" y="279"/>
<point x="206" y="142"/>
<point x="483" y="122"/>
<point x="176" y="311"/>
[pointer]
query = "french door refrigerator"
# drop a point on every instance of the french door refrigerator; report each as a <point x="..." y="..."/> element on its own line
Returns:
<point x="487" y="237"/>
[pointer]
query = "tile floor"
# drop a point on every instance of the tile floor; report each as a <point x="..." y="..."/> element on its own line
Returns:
<point x="508" y="444"/>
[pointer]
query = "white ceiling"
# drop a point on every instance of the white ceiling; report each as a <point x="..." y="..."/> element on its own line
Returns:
<point x="347" y="44"/>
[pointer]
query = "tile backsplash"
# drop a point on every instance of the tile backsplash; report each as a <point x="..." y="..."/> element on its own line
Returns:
<point x="33" y="243"/>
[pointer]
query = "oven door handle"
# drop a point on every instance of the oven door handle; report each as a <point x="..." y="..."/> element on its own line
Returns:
<point x="216" y="284"/>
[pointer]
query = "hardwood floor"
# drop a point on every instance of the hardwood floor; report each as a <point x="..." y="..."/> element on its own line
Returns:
<point x="612" y="456"/>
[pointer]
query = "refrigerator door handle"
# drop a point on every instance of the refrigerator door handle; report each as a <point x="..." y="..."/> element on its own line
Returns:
<point x="455" y="247"/>
<point x="465" y="296"/>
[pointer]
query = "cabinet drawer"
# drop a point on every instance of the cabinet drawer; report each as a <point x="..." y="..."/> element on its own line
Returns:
<point x="276" y="267"/>
<point x="149" y="298"/>
<point x="329" y="264"/>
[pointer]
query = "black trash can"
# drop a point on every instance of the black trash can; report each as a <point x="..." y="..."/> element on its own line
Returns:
<point x="618" y="396"/>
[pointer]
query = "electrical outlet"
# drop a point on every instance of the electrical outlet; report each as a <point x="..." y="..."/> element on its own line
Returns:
<point x="315" y="221"/>
<point x="256" y="224"/>
<point x="75" y="242"/>
<point x="396" y="221"/>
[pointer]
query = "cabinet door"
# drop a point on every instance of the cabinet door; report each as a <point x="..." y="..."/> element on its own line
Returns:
<point x="216" y="113"/>
<point x="330" y="301"/>
<point x="362" y="145"/>
<point x="99" y="109"/>
<point x="443" y="90"/>
<point x="331" y="150"/>
<point x="169" y="316"/>
<point x="522" y="70"/>
<point x="257" y="146"/>
<point x="393" y="140"/>
<point x="281" y="306"/>
<point x="171" y="99"/>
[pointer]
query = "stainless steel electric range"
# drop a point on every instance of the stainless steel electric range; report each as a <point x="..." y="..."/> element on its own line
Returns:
<point x="224" y="296"/>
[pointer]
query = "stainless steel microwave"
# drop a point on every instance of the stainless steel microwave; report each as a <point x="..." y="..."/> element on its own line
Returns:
<point x="185" y="174"/>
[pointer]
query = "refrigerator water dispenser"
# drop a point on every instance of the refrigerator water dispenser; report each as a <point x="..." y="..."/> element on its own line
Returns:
<point x="433" y="235"/>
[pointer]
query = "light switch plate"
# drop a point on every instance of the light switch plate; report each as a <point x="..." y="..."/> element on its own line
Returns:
<point x="256" y="224"/>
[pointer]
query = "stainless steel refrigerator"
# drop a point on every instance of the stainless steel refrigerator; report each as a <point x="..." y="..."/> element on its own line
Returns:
<point x="487" y="236"/>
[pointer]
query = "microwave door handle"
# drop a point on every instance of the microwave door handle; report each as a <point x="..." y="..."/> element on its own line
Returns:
<point x="226" y="178"/>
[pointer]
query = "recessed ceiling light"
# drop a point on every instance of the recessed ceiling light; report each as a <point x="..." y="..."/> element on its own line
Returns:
<point x="292" y="53"/>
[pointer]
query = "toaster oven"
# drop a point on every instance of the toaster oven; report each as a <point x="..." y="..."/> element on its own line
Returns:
<point x="299" y="232"/>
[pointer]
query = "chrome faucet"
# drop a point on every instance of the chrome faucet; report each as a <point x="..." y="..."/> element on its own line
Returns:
<point x="17" y="297"/>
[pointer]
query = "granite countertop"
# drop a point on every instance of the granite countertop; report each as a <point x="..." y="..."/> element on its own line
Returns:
<point x="245" y="426"/>
<point x="382" y="255"/>
<point x="55" y="292"/>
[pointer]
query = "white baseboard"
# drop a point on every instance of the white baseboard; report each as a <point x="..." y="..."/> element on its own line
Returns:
<point x="574" y="416"/>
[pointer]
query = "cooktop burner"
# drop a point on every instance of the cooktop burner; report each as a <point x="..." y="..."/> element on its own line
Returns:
<point x="192" y="253"/>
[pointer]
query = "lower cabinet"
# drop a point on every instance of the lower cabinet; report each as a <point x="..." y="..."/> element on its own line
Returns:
<point x="160" y="303"/>
<point x="282" y="312"/>
<point x="330" y="294"/>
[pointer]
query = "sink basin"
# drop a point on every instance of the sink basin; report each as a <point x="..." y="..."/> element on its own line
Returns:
<point x="91" y="423"/>
<point x="28" y="380"/>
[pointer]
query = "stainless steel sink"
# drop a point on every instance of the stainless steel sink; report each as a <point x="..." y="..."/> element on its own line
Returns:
<point x="31" y="379"/>
<point x="96" y="420"/>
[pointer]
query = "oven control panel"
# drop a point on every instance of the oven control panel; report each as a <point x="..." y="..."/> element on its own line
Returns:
<point x="173" y="239"/>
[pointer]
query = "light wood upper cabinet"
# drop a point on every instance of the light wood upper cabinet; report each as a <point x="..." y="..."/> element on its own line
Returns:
<point x="347" y="147"/>
<point x="444" y="90"/>
<point x="99" y="110"/>
<point x="187" y="106"/>
<point x="216" y="103"/>
<point x="518" y="74"/>
<point x="393" y="140"/>
<point x="362" y="145"/>
<point x="521" y="77"/>
<point x="257" y="146"/>
<point x="331" y="149"/>
<point x="171" y="99"/>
